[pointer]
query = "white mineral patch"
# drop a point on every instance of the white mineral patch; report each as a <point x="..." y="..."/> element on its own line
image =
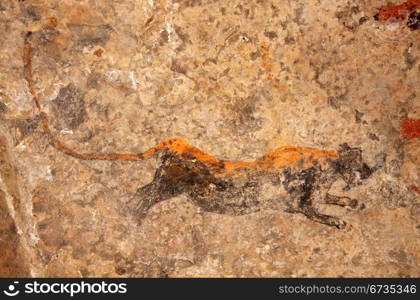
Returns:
<point x="121" y="77"/>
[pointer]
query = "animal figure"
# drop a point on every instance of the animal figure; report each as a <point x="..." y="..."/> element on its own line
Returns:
<point x="302" y="176"/>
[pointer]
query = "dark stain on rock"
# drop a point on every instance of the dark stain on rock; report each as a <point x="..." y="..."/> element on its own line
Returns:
<point x="70" y="106"/>
<point x="298" y="14"/>
<point x="123" y="265"/>
<point x="30" y="12"/>
<point x="177" y="67"/>
<point x="90" y="35"/>
<point x="242" y="114"/>
<point x="410" y="61"/>
<point x="334" y="102"/>
<point x="25" y="127"/>
<point x="346" y="18"/>
<point x="373" y="136"/>
<point x="415" y="210"/>
<point x="289" y="40"/>
<point x="400" y="257"/>
<point x="358" y="116"/>
<point x="3" y="108"/>
<point x="164" y="36"/>
<point x="363" y="20"/>
<point x="255" y="55"/>
<point x="271" y="35"/>
<point x="413" y="21"/>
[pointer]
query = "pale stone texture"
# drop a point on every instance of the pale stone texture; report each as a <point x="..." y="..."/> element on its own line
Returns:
<point x="234" y="78"/>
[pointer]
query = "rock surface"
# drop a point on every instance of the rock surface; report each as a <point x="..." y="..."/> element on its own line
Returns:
<point x="233" y="78"/>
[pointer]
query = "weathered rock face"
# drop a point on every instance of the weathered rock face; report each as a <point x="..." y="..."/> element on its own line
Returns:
<point x="234" y="78"/>
<point x="12" y="257"/>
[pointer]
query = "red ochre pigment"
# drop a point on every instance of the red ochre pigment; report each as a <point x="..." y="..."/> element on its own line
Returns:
<point x="395" y="13"/>
<point x="414" y="189"/>
<point x="410" y="129"/>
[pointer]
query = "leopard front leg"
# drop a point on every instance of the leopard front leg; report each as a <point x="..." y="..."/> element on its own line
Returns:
<point x="307" y="189"/>
<point x="313" y="214"/>
<point x="320" y="195"/>
<point x="341" y="201"/>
